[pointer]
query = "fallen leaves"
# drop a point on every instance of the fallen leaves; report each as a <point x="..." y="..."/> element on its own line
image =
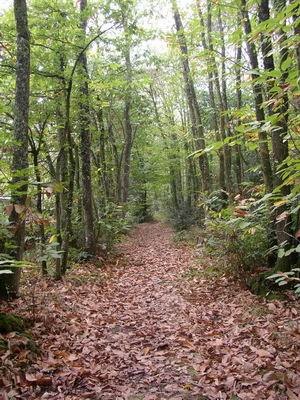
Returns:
<point x="150" y="334"/>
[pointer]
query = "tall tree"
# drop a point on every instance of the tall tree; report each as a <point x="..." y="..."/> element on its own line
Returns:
<point x="9" y="286"/>
<point x="85" y="138"/>
<point x="193" y="105"/>
<point x="222" y="96"/>
<point x="279" y="142"/>
<point x="258" y="101"/>
<point x="238" y="148"/>
<point x="212" y="100"/>
<point x="125" y="9"/>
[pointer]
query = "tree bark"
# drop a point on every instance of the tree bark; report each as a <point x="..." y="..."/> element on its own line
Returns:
<point x="212" y="102"/>
<point x="102" y="155"/>
<point x="222" y="107"/>
<point x="297" y="33"/>
<point x="69" y="207"/>
<point x="238" y="147"/>
<point x="116" y="158"/>
<point x="39" y="207"/>
<point x="127" y="110"/>
<point x="9" y="284"/>
<point x="85" y="143"/>
<point x="258" y="101"/>
<point x="279" y="145"/>
<point x="194" y="109"/>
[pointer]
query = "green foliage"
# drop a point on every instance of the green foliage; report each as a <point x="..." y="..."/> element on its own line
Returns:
<point x="216" y="201"/>
<point x="112" y="226"/>
<point x="165" y="179"/>
<point x="210" y="272"/>
<point x="13" y="323"/>
<point x="184" y="218"/>
<point x="188" y="236"/>
<point x="290" y="279"/>
<point x="240" y="245"/>
<point x="49" y="252"/>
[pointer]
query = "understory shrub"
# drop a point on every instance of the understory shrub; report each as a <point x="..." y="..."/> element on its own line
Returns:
<point x="241" y="251"/>
<point x="238" y="235"/>
<point x="113" y="223"/>
<point x="185" y="217"/>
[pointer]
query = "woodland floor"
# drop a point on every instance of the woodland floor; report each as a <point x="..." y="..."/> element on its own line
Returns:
<point x="141" y="330"/>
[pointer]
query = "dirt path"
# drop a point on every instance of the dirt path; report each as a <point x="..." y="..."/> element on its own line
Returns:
<point x="150" y="334"/>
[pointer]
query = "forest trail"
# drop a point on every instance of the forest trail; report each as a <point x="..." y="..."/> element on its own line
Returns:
<point x="152" y="334"/>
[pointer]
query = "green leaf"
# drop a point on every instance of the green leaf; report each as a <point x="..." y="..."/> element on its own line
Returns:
<point x="286" y="64"/>
<point x="282" y="283"/>
<point x="290" y="251"/>
<point x="281" y="253"/>
<point x="274" y="276"/>
<point x="282" y="278"/>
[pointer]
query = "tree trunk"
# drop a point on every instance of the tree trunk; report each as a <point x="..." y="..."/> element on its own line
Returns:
<point x="258" y="101"/>
<point x="172" y="151"/>
<point x="102" y="155"/>
<point x="78" y="181"/>
<point x="224" y="88"/>
<point x="194" y="109"/>
<point x="279" y="145"/>
<point x="85" y="143"/>
<point x="127" y="111"/>
<point x="61" y="169"/>
<point x="297" y="33"/>
<point x="223" y="110"/>
<point x="39" y="207"/>
<point x="117" y="161"/>
<point x="9" y="284"/>
<point x="238" y="147"/>
<point x="66" y="228"/>
<point x="212" y="102"/>
<point x="68" y="212"/>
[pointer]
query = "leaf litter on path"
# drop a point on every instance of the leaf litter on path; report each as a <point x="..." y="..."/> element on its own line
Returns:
<point x="148" y="333"/>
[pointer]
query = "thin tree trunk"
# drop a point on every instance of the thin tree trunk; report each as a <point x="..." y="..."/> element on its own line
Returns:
<point x="297" y="33"/>
<point x="102" y="156"/>
<point x="117" y="162"/>
<point x="85" y="143"/>
<point x="238" y="147"/>
<point x="54" y="172"/>
<point x="39" y="207"/>
<point x="78" y="181"/>
<point x="66" y="228"/>
<point x="61" y="170"/>
<point x="224" y="87"/>
<point x="35" y="151"/>
<point x="223" y="110"/>
<point x="68" y="214"/>
<point x="194" y="109"/>
<point x="212" y="102"/>
<point x="127" y="112"/>
<point x="176" y="192"/>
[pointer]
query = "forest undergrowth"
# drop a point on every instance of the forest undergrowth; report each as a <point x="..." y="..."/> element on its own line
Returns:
<point x="147" y="327"/>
